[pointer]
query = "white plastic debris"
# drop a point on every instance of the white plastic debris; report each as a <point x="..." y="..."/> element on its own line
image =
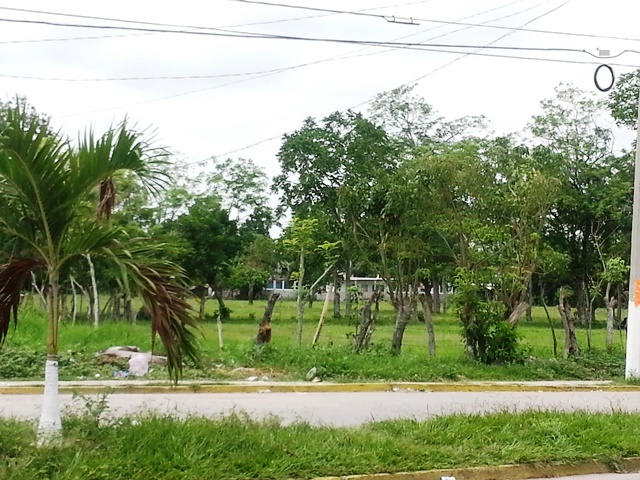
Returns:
<point x="447" y="478"/>
<point x="139" y="365"/>
<point x="311" y="374"/>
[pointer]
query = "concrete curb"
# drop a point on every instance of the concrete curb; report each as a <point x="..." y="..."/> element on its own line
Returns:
<point x="507" y="472"/>
<point x="125" y="386"/>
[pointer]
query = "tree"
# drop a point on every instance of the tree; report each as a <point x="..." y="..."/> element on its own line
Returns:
<point x="44" y="184"/>
<point x="299" y="239"/>
<point x="211" y="242"/>
<point x="321" y="159"/>
<point x="243" y="188"/>
<point x="592" y="201"/>
<point x="623" y="99"/>
<point x="253" y="268"/>
<point x="411" y="121"/>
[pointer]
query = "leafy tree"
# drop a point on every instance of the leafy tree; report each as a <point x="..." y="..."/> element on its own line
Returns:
<point x="244" y="191"/>
<point x="44" y="184"/>
<point x="594" y="194"/>
<point x="253" y="268"/>
<point x="318" y="161"/>
<point x="299" y="239"/>
<point x="623" y="99"/>
<point x="414" y="123"/>
<point x="210" y="243"/>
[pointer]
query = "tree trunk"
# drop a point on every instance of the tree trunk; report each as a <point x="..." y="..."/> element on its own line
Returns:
<point x="50" y="425"/>
<point x="583" y="303"/>
<point x="517" y="312"/>
<point x="128" y="310"/>
<point x="553" y="330"/>
<point x="610" y="303"/>
<point x="347" y="294"/>
<point x="374" y="321"/>
<point x="428" y="320"/>
<point x="620" y="304"/>
<point x="436" y="294"/>
<point x="336" y="296"/>
<point x="445" y="295"/>
<point x="300" y="302"/>
<point x="367" y="323"/>
<point x="222" y="308"/>
<point x="590" y="317"/>
<point x="202" y="300"/>
<point x="325" y="307"/>
<point x="94" y="286"/>
<point x="264" y="331"/>
<point x="570" y="341"/>
<point x="34" y="283"/>
<point x="220" y="342"/>
<point x="74" y="309"/>
<point x="403" y="311"/>
<point x="251" y="293"/>
<point x="530" y="301"/>
<point x="117" y="305"/>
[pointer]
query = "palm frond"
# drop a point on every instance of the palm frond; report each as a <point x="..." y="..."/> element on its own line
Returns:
<point x="161" y="286"/>
<point x="173" y="319"/>
<point x="120" y="149"/>
<point x="12" y="277"/>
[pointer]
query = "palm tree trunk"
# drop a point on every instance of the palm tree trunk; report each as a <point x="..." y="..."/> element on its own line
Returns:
<point x="50" y="425"/>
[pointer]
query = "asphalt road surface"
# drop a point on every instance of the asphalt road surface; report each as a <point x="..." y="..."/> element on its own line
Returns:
<point x="339" y="409"/>
<point x="605" y="476"/>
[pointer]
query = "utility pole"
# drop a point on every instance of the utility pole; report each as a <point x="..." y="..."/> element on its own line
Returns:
<point x="632" y="369"/>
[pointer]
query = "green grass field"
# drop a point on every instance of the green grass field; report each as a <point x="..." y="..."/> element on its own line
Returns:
<point x="22" y="357"/>
<point x="235" y="447"/>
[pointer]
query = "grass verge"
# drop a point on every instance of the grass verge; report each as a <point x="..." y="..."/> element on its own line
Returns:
<point x="236" y="447"/>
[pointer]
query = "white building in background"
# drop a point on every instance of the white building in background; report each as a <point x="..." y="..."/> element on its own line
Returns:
<point x="287" y="289"/>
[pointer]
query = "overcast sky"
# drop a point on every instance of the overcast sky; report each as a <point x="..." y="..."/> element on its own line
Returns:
<point x="198" y="118"/>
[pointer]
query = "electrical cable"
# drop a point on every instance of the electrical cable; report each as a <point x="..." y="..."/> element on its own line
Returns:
<point x="373" y="43"/>
<point x="213" y="31"/>
<point x="97" y="37"/>
<point x="431" y="20"/>
<point x="282" y="69"/>
<point x="335" y="57"/>
<point x="479" y="53"/>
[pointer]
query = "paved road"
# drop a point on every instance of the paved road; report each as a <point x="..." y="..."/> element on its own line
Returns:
<point x="340" y="409"/>
<point x="606" y="476"/>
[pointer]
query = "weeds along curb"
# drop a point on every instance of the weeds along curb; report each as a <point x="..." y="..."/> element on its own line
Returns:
<point x="507" y="472"/>
<point x="275" y="387"/>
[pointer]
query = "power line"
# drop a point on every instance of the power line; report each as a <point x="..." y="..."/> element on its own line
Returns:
<point x="219" y="32"/>
<point x="282" y="69"/>
<point x="475" y="53"/>
<point x="484" y="12"/>
<point x="97" y="37"/>
<point x="444" y="22"/>
<point x="373" y="43"/>
<point x="335" y="57"/>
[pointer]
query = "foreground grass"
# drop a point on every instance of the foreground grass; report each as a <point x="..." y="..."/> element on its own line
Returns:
<point x="23" y="355"/>
<point x="239" y="448"/>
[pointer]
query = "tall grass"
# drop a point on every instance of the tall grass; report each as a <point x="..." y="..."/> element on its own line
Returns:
<point x="239" y="448"/>
<point x="23" y="354"/>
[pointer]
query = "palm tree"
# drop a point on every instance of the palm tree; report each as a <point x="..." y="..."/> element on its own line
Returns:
<point x="45" y="187"/>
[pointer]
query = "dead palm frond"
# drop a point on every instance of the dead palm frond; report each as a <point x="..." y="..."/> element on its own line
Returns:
<point x="12" y="278"/>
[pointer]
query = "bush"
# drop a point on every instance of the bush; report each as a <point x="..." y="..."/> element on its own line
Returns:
<point x="493" y="340"/>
